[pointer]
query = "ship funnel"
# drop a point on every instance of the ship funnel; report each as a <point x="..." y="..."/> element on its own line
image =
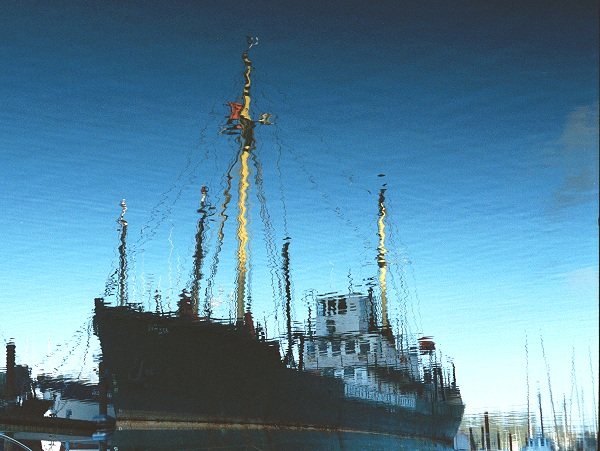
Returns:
<point x="11" y="381"/>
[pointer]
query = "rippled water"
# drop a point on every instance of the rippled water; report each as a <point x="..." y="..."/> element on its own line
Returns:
<point x="480" y="122"/>
<point x="216" y="439"/>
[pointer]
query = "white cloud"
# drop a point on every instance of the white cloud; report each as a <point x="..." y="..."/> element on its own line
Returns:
<point x="579" y="141"/>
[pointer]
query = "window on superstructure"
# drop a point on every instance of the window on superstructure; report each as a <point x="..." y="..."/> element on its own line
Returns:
<point x="342" y="306"/>
<point x="310" y="349"/>
<point x="331" y="307"/>
<point x="323" y="348"/>
<point x="336" y="347"/>
<point x="351" y="347"/>
<point x="330" y="325"/>
<point x="365" y="347"/>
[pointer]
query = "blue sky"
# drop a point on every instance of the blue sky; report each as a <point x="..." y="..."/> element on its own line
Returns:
<point x="482" y="116"/>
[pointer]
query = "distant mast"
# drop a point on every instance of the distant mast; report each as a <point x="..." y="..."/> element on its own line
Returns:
<point x="529" y="429"/>
<point x="381" y="261"/>
<point x="248" y="144"/>
<point x="541" y="414"/>
<point x="123" y="256"/>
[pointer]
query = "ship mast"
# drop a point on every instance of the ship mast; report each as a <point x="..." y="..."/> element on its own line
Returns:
<point x="285" y="253"/>
<point x="123" y="256"/>
<point x="199" y="254"/>
<point x="248" y="144"/>
<point x="529" y="429"/>
<point x="381" y="261"/>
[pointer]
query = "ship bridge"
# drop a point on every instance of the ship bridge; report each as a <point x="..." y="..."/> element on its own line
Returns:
<point x="345" y="344"/>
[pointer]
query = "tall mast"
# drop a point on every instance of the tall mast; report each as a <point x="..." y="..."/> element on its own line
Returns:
<point x="285" y="253"/>
<point x="248" y="144"/>
<point x="528" y="402"/>
<point x="381" y="261"/>
<point x="199" y="253"/>
<point x="123" y="257"/>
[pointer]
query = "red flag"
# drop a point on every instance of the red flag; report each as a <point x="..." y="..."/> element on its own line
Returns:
<point x="235" y="110"/>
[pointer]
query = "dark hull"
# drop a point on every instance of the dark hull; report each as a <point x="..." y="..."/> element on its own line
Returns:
<point x="175" y="369"/>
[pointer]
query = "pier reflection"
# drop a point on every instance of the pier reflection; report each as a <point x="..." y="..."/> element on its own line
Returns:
<point x="217" y="437"/>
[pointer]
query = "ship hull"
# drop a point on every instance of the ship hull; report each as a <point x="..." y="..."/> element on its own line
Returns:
<point x="169" y="369"/>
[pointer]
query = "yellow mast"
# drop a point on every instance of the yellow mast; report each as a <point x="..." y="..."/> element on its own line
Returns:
<point x="248" y="145"/>
<point x="381" y="261"/>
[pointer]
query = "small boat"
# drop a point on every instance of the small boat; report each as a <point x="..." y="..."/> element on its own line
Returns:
<point x="539" y="443"/>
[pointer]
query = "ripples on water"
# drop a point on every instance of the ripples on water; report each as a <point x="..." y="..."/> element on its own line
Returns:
<point x="225" y="438"/>
<point x="491" y="227"/>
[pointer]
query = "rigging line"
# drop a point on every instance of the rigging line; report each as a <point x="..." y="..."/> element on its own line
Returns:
<point x="70" y="346"/>
<point x="281" y="196"/>
<point x="285" y="102"/>
<point x="403" y="304"/>
<point x="549" y="384"/>
<point x="403" y="293"/>
<point x="148" y="231"/>
<point x="228" y="182"/>
<point x="395" y="237"/>
<point x="327" y="199"/>
<point x="207" y="147"/>
<point x="269" y="231"/>
<point x="87" y="346"/>
<point x="111" y="284"/>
